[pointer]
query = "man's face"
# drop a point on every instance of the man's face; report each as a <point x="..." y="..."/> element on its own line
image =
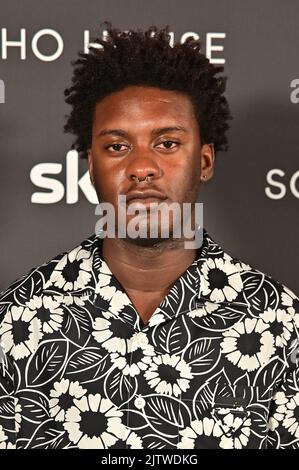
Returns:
<point x="147" y="139"/>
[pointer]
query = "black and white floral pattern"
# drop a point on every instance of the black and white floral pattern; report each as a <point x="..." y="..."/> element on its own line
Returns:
<point x="216" y="366"/>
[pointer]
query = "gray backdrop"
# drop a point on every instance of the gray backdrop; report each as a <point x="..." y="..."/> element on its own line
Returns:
<point x="260" y="49"/>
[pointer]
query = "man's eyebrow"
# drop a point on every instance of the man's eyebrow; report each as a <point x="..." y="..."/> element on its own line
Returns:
<point x="159" y="130"/>
<point x="118" y="132"/>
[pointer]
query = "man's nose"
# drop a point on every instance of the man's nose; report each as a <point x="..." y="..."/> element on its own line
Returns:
<point x="143" y="168"/>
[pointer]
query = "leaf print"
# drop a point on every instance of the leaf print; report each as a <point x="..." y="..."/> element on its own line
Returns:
<point x="214" y="367"/>
<point x="3" y="309"/>
<point x="119" y="388"/>
<point x="7" y="410"/>
<point x="61" y="441"/>
<point x="268" y="375"/>
<point x="152" y="441"/>
<point x="242" y="381"/>
<point x="35" y="406"/>
<point x="77" y="325"/>
<point x="88" y="365"/>
<point x="136" y="419"/>
<point x="175" y="298"/>
<point x="202" y="355"/>
<point x="217" y="385"/>
<point x="293" y="379"/>
<point x="291" y="445"/>
<point x="260" y="418"/>
<point x="220" y="384"/>
<point x="46" y="363"/>
<point x="165" y="414"/>
<point x="171" y="337"/>
<point x="259" y="292"/>
<point x="32" y="285"/>
<point x="45" y="436"/>
<point x="6" y="382"/>
<point x="220" y="318"/>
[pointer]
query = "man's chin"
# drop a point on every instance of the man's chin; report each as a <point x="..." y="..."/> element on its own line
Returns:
<point x="148" y="242"/>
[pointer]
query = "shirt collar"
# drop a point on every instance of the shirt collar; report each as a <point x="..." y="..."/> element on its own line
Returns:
<point x="191" y="288"/>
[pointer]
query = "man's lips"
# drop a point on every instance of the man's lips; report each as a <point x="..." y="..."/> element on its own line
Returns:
<point x="145" y="197"/>
<point x="146" y="194"/>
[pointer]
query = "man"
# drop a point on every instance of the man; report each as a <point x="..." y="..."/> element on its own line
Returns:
<point x="142" y="342"/>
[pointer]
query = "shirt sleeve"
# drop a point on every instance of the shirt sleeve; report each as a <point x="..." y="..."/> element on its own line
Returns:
<point x="7" y="388"/>
<point x="283" y="423"/>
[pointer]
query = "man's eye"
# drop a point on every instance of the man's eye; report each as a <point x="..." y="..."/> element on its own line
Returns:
<point x="116" y="147"/>
<point x="169" y="144"/>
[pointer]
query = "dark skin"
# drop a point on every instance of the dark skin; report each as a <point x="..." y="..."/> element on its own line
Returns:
<point x="174" y="162"/>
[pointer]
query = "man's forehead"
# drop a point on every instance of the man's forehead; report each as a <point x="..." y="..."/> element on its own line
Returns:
<point x="149" y="95"/>
<point x="143" y="110"/>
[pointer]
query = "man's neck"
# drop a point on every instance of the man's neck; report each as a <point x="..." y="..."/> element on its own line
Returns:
<point x="147" y="269"/>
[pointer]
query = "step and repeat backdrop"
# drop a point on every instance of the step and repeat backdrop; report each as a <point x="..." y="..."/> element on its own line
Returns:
<point x="250" y="207"/>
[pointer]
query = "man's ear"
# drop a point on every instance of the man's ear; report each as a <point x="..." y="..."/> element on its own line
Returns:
<point x="90" y="165"/>
<point x="207" y="161"/>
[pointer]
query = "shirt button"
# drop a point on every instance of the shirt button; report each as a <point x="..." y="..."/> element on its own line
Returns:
<point x="139" y="403"/>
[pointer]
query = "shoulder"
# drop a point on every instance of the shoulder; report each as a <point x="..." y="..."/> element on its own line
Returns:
<point x="33" y="308"/>
<point x="66" y="272"/>
<point x="262" y="291"/>
<point x="227" y="279"/>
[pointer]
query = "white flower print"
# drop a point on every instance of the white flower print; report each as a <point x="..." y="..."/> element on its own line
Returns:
<point x="239" y="430"/>
<point x="291" y="420"/>
<point x="133" y="441"/>
<point x="49" y="312"/>
<point x="156" y="319"/>
<point x="169" y="375"/>
<point x="62" y="397"/>
<point x="238" y="263"/>
<point x="280" y="401"/>
<point x="249" y="345"/>
<point x="80" y="369"/>
<point x="288" y="299"/>
<point x="7" y="445"/>
<point x="70" y="300"/>
<point x="3" y="437"/>
<point x="282" y="320"/>
<point x="111" y="334"/>
<point x="197" y="429"/>
<point x="203" y="311"/>
<point x="138" y="358"/>
<point x="222" y="280"/>
<point x="130" y="440"/>
<point x="73" y="271"/>
<point x="94" y="423"/>
<point x="4" y="444"/>
<point x="23" y="321"/>
<point x="116" y="298"/>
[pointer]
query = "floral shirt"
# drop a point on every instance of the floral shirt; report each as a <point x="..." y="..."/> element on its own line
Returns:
<point x="215" y="367"/>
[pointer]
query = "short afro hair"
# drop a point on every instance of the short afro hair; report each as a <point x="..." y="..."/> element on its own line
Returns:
<point x="146" y="59"/>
